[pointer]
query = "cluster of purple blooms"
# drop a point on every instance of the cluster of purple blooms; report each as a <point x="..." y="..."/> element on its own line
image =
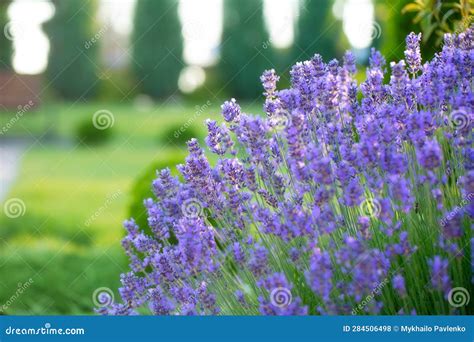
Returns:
<point x="339" y="189"/>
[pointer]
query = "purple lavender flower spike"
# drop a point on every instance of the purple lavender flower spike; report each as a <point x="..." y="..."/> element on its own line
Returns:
<point x="269" y="80"/>
<point x="218" y="139"/>
<point x="398" y="283"/>
<point x="412" y="53"/>
<point x="430" y="155"/>
<point x="440" y="279"/>
<point x="231" y="111"/>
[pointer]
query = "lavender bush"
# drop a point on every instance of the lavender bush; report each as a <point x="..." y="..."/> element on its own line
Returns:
<point x="344" y="199"/>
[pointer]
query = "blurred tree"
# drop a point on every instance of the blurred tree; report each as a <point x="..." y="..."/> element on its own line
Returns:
<point x="157" y="45"/>
<point x="431" y="17"/>
<point x="318" y="31"/>
<point x="5" y="42"/>
<point x="73" y="49"/>
<point x="245" y="50"/>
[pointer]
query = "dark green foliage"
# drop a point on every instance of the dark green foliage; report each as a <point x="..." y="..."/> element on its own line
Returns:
<point x="157" y="47"/>
<point x="394" y="27"/>
<point x="318" y="31"/>
<point x="5" y="43"/>
<point x="246" y="49"/>
<point x="435" y="18"/>
<point x="142" y="189"/>
<point x="72" y="61"/>
<point x="87" y="133"/>
<point x="397" y="19"/>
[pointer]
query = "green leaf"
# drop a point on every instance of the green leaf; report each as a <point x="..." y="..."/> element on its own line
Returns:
<point x="413" y="7"/>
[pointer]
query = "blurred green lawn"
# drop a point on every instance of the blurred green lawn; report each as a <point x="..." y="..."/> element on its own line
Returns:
<point x="76" y="198"/>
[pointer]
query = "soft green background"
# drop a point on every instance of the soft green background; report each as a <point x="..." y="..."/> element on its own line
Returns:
<point x="58" y="242"/>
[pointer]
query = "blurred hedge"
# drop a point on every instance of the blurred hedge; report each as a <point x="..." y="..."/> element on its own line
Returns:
<point x="87" y="133"/>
